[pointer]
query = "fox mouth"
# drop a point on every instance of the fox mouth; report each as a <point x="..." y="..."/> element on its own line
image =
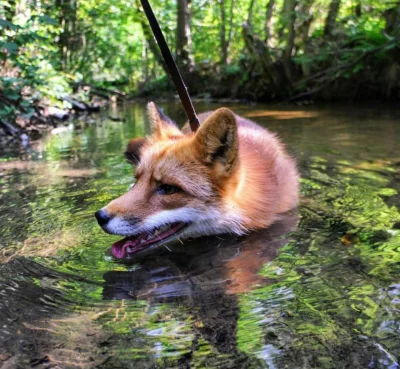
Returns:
<point x="141" y="241"/>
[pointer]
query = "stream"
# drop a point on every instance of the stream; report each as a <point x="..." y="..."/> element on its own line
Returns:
<point x="318" y="289"/>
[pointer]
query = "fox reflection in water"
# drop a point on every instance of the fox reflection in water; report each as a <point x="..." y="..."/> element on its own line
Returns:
<point x="204" y="275"/>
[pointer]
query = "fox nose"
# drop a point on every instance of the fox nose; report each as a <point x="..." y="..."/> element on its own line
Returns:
<point x="102" y="217"/>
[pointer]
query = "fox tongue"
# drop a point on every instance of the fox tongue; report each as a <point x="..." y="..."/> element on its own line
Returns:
<point x="135" y="244"/>
<point x="119" y="247"/>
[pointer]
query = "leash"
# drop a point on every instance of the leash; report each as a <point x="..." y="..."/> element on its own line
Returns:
<point x="172" y="67"/>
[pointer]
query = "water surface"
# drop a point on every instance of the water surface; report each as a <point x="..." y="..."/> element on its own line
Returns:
<point x="319" y="289"/>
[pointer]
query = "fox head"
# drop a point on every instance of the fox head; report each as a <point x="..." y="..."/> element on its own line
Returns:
<point x="182" y="184"/>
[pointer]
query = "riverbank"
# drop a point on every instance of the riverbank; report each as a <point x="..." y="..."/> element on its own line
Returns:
<point x="22" y="128"/>
<point x="23" y="118"/>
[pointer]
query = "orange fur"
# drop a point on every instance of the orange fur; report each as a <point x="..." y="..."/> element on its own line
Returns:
<point x="231" y="165"/>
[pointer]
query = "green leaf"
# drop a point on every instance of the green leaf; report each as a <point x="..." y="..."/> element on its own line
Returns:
<point x="25" y="103"/>
<point x="387" y="192"/>
<point x="8" y="80"/>
<point x="6" y="110"/>
<point x="7" y="24"/>
<point x="45" y="19"/>
<point x="11" y="47"/>
<point x="358" y="67"/>
<point x="13" y="96"/>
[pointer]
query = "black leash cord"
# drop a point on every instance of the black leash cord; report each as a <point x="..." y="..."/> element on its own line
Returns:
<point x="171" y="65"/>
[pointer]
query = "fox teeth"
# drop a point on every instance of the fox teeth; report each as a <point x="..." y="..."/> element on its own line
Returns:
<point x="158" y="231"/>
<point x="163" y="229"/>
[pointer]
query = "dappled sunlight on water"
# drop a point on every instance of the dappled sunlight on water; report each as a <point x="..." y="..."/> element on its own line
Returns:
<point x="282" y="115"/>
<point x="319" y="289"/>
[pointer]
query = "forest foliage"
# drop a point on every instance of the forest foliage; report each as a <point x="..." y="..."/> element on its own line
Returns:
<point x="253" y="49"/>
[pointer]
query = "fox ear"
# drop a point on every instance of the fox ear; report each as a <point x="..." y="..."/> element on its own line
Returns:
<point x="217" y="140"/>
<point x="132" y="152"/>
<point x="162" y="126"/>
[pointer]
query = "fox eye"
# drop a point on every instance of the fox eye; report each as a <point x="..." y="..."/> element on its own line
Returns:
<point x="166" y="189"/>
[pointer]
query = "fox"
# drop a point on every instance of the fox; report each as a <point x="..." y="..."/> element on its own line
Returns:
<point x="231" y="176"/>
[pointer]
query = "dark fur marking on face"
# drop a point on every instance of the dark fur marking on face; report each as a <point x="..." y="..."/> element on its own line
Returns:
<point x="133" y="149"/>
<point x="133" y="220"/>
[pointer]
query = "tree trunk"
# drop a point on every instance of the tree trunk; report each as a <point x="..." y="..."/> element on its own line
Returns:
<point x="148" y="35"/>
<point x="330" y="22"/>
<point x="289" y="16"/>
<point x="67" y="20"/>
<point x="150" y="40"/>
<point x="250" y="14"/>
<point x="140" y="17"/>
<point x="358" y="9"/>
<point x="271" y="76"/>
<point x="145" y="66"/>
<point x="225" y="39"/>
<point x="222" y="33"/>
<point x="183" y="39"/>
<point x="268" y="20"/>
<point x="231" y="28"/>
<point x="303" y="30"/>
<point x="392" y="18"/>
